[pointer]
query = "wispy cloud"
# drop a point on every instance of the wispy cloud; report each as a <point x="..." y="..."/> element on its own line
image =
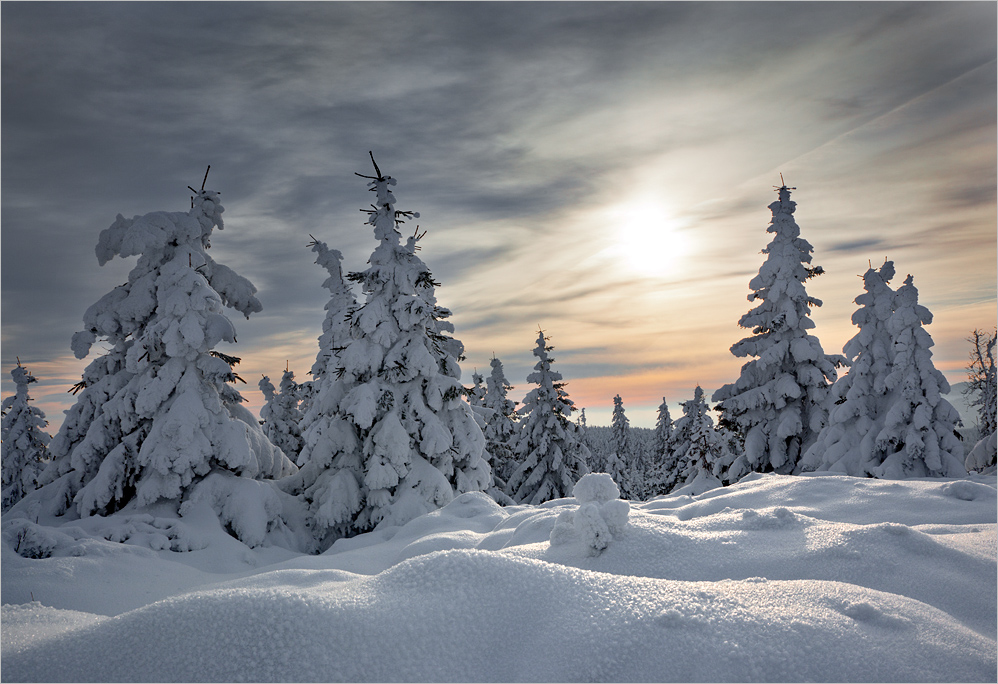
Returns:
<point x="517" y="130"/>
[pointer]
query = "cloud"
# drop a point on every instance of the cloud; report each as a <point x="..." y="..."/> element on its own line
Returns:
<point x="863" y="245"/>
<point x="511" y="127"/>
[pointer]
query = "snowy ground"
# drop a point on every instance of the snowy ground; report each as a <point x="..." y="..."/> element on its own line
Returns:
<point x="777" y="578"/>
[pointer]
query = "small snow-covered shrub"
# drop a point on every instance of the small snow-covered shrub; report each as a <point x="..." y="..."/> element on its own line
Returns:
<point x="252" y="511"/>
<point x="600" y="518"/>
<point x="30" y="540"/>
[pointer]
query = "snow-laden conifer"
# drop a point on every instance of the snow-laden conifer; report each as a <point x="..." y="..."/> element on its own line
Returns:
<point x="476" y="393"/>
<point x="307" y="392"/>
<point x="982" y="392"/>
<point x="336" y="324"/>
<point x="156" y="416"/>
<point x="777" y="403"/>
<point x="550" y="456"/>
<point x="619" y="460"/>
<point x="25" y="445"/>
<point x="407" y="437"/>
<point x="332" y="466"/>
<point x="919" y="437"/>
<point x="662" y="461"/>
<point x="500" y="423"/>
<point x="698" y="447"/>
<point x="859" y="400"/>
<point x="663" y="431"/>
<point x="281" y="414"/>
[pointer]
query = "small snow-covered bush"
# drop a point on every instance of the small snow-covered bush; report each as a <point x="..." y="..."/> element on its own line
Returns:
<point x="600" y="518"/>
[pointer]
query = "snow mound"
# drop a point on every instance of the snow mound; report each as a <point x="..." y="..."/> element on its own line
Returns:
<point x="600" y="517"/>
<point x="775" y="578"/>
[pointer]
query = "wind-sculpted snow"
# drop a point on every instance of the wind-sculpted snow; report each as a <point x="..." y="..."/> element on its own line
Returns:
<point x="776" y="578"/>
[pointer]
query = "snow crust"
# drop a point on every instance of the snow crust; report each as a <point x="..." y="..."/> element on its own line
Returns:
<point x="776" y="578"/>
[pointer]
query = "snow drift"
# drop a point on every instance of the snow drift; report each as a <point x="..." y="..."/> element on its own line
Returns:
<point x="776" y="578"/>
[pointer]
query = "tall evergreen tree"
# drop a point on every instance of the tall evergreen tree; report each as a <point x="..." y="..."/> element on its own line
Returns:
<point x="982" y="391"/>
<point x="332" y="465"/>
<point x="698" y="447"/>
<point x="919" y="437"/>
<point x="859" y="401"/>
<point x="25" y="445"/>
<point x="777" y="403"/>
<point x="551" y="457"/>
<point x="281" y="414"/>
<point x="407" y="438"/>
<point x="156" y="417"/>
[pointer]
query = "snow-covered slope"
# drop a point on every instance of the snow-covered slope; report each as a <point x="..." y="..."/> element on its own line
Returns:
<point x="776" y="578"/>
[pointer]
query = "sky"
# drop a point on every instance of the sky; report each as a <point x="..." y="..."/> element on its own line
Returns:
<point x="600" y="171"/>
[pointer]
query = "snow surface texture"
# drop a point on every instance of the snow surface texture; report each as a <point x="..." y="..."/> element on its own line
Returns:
<point x="776" y="578"/>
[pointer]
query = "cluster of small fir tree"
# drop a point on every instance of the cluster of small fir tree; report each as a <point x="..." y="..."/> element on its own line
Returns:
<point x="698" y="447"/>
<point x="281" y="416"/>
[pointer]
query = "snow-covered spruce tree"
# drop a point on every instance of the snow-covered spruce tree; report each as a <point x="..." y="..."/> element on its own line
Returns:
<point x="156" y="419"/>
<point x="619" y="461"/>
<point x="405" y="439"/>
<point x="306" y="391"/>
<point x="663" y="431"/>
<point x="25" y="446"/>
<point x="500" y="426"/>
<point x="550" y="456"/>
<point x="281" y="415"/>
<point x="331" y="461"/>
<point x="476" y="393"/>
<point x="342" y="301"/>
<point x="859" y="400"/>
<point x="919" y="437"/>
<point x="698" y="447"/>
<point x="777" y="403"/>
<point x="982" y="391"/>
<point x="662" y="462"/>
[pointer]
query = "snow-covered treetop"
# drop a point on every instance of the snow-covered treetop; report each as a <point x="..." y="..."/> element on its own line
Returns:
<point x="496" y="387"/>
<point x="22" y="378"/>
<point x="549" y="386"/>
<point x="912" y="341"/>
<point x="780" y="280"/>
<point x="876" y="306"/>
<point x="166" y="243"/>
<point x="335" y="327"/>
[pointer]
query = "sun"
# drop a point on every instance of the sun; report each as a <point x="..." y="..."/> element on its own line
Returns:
<point x="648" y="238"/>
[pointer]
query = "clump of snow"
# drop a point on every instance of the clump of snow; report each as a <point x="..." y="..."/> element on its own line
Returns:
<point x="600" y="518"/>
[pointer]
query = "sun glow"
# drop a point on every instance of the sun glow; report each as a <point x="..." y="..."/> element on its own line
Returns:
<point x="648" y="238"/>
